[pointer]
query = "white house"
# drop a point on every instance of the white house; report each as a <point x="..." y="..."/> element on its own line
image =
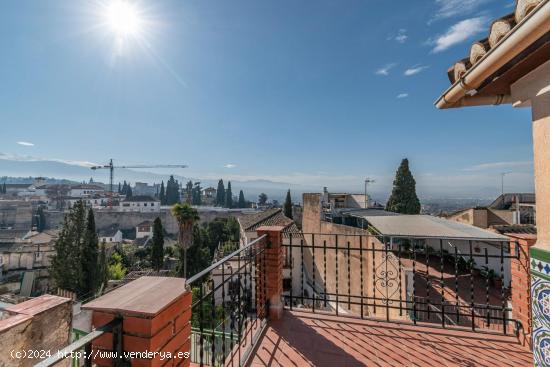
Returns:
<point x="110" y="235"/>
<point x="143" y="204"/>
<point x="144" y="229"/>
<point x="85" y="190"/>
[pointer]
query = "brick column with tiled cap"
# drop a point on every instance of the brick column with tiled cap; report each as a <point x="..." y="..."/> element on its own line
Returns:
<point x="273" y="270"/>
<point x="155" y="313"/>
<point x="521" y="284"/>
<point x="533" y="89"/>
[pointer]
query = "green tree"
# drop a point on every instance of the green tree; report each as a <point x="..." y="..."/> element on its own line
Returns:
<point x="189" y="192"/>
<point x="220" y="194"/>
<point x="172" y="191"/>
<point x="242" y="201"/>
<point x="162" y="194"/>
<point x="196" y="193"/>
<point x="288" y="205"/>
<point x="90" y="280"/>
<point x="228" y="196"/>
<point x="103" y="265"/>
<point x="262" y="199"/>
<point x="4" y="190"/>
<point x="116" y="268"/>
<point x="157" y="252"/>
<point x="403" y="198"/>
<point x="66" y="264"/>
<point x="40" y="219"/>
<point x="186" y="217"/>
<point x="198" y="256"/>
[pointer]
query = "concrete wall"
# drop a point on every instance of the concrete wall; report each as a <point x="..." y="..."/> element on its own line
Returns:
<point x="16" y="214"/>
<point x="40" y="324"/>
<point x="129" y="220"/>
<point x="373" y="264"/>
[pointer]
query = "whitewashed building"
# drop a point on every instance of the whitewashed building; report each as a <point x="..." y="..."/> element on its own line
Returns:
<point x="142" y="204"/>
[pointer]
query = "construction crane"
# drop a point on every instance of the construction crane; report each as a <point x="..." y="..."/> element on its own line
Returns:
<point x="111" y="167"/>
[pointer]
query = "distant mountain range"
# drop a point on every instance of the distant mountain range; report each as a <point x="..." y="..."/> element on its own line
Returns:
<point x="23" y="171"/>
<point x="429" y="189"/>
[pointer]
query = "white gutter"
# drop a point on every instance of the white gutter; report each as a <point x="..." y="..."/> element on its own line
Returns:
<point x="535" y="25"/>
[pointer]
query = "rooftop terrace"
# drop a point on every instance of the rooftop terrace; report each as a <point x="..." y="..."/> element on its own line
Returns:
<point x="306" y="339"/>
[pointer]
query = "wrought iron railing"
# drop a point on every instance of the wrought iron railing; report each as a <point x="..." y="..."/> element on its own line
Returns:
<point x="447" y="282"/>
<point x="229" y="307"/>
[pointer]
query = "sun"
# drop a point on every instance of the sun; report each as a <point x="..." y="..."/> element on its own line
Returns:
<point x="123" y="18"/>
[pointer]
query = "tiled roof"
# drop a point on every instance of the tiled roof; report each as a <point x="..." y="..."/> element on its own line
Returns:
<point x="110" y="231"/>
<point x="498" y="30"/>
<point x="86" y="187"/>
<point x="516" y="229"/>
<point x="140" y="198"/>
<point x="269" y="217"/>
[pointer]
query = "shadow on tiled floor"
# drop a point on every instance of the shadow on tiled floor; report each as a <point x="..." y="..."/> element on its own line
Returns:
<point x="305" y="339"/>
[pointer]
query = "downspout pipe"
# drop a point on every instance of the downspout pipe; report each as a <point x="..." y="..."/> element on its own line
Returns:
<point x="535" y="25"/>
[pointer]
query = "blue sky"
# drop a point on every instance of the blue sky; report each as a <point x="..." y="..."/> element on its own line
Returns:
<point x="307" y="92"/>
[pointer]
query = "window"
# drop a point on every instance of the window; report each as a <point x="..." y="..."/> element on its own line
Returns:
<point x="144" y="204"/>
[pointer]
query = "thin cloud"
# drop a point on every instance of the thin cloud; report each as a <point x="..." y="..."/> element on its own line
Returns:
<point x="455" y="8"/>
<point x="26" y="158"/>
<point x="415" y="70"/>
<point x="385" y="70"/>
<point x="402" y="95"/>
<point x="400" y="37"/>
<point x="25" y="143"/>
<point x="499" y="165"/>
<point x="458" y="33"/>
<point x="230" y="165"/>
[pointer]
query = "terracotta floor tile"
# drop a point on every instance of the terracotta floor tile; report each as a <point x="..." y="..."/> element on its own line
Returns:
<point x="306" y="339"/>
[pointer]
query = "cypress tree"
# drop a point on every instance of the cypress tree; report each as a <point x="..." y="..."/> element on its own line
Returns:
<point x="196" y="192"/>
<point x="228" y="196"/>
<point x="288" y="205"/>
<point x="162" y="194"/>
<point x="189" y="192"/>
<point x="119" y="188"/>
<point x="103" y="273"/>
<point x="242" y="202"/>
<point x="66" y="268"/>
<point x="40" y="219"/>
<point x="90" y="280"/>
<point x="172" y="191"/>
<point x="4" y="190"/>
<point x="220" y="194"/>
<point x="157" y="251"/>
<point x="129" y="192"/>
<point x="403" y="198"/>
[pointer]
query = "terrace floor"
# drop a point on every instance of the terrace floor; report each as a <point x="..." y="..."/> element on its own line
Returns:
<point x="306" y="339"/>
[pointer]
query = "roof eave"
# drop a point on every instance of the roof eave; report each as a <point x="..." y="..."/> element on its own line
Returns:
<point x="463" y="91"/>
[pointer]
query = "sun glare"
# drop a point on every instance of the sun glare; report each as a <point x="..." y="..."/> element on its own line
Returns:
<point x="123" y="18"/>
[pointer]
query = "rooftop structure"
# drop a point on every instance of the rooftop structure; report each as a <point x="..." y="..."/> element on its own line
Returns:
<point x="426" y="226"/>
<point x="512" y="65"/>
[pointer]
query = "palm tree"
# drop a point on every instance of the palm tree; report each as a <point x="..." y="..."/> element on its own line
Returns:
<point x="186" y="217"/>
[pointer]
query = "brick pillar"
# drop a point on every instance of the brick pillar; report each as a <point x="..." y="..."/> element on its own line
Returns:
<point x="155" y="313"/>
<point x="521" y="284"/>
<point x="273" y="269"/>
